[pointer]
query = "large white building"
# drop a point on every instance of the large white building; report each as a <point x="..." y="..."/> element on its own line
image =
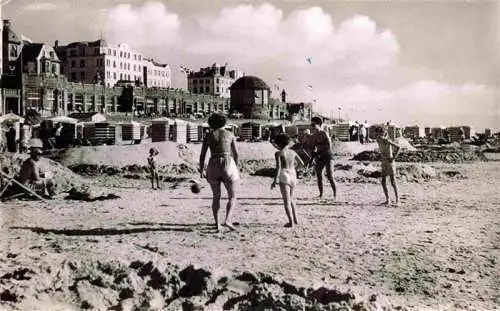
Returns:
<point x="214" y="80"/>
<point x="156" y="74"/>
<point x="100" y="62"/>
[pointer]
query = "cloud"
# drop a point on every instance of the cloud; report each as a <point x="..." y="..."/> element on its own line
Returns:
<point x="258" y="34"/>
<point x="40" y="6"/>
<point x="150" y="25"/>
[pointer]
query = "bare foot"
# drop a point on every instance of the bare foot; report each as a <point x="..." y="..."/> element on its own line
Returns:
<point x="295" y="221"/>
<point x="289" y="225"/>
<point x="230" y="226"/>
<point x="217" y="228"/>
<point x="388" y="202"/>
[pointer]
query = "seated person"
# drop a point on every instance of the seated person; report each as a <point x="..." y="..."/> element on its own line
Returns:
<point x="33" y="177"/>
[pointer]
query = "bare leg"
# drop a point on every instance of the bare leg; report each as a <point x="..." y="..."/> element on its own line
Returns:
<point x="292" y="203"/>
<point x="395" y="187"/>
<point x="285" y="193"/>
<point x="329" y="174"/>
<point x="216" y="203"/>
<point x="319" y="175"/>
<point x="384" y="186"/>
<point x="230" y="187"/>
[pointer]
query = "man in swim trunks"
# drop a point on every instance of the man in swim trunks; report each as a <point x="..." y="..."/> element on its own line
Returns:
<point x="221" y="167"/>
<point x="388" y="156"/>
<point x="321" y="143"/>
<point x="286" y="176"/>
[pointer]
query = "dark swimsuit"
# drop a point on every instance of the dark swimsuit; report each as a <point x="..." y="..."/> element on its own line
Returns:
<point x="325" y="155"/>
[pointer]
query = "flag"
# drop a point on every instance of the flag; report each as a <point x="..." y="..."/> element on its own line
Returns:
<point x="310" y="86"/>
<point x="279" y="79"/>
<point x="309" y="60"/>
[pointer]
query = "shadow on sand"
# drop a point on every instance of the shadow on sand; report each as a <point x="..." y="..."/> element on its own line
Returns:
<point x="117" y="231"/>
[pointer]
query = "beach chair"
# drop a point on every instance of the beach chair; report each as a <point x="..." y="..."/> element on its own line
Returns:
<point x="10" y="181"/>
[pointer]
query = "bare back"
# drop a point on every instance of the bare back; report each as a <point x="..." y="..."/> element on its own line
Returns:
<point x="287" y="158"/>
<point x="219" y="142"/>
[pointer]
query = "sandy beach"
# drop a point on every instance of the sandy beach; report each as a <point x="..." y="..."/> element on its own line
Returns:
<point x="438" y="250"/>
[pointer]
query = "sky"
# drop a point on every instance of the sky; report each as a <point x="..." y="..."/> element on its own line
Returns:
<point x="412" y="62"/>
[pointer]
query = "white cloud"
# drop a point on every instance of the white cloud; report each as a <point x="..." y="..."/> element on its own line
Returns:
<point x="40" y="6"/>
<point x="149" y="25"/>
<point x="256" y="34"/>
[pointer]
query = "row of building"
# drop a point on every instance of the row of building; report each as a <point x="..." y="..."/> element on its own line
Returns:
<point x="101" y="77"/>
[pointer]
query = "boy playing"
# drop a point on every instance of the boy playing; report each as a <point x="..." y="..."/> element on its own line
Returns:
<point x="153" y="152"/>
<point x="286" y="176"/>
<point x="388" y="156"/>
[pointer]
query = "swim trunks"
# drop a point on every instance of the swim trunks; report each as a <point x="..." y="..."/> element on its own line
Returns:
<point x="288" y="176"/>
<point x="222" y="169"/>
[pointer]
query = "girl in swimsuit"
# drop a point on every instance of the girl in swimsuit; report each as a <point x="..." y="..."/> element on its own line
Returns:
<point x="286" y="175"/>
<point x="320" y="141"/>
<point x="221" y="167"/>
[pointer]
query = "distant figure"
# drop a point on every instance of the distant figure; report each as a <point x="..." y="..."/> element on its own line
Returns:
<point x="323" y="156"/>
<point x="462" y="135"/>
<point x="32" y="176"/>
<point x="362" y="133"/>
<point x="11" y="139"/>
<point x="153" y="168"/>
<point x="286" y="176"/>
<point x="58" y="136"/>
<point x="388" y="157"/>
<point x="222" y="166"/>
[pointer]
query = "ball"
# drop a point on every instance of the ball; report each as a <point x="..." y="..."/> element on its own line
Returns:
<point x="195" y="188"/>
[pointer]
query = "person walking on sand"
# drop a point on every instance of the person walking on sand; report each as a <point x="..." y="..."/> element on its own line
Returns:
<point x="323" y="155"/>
<point x="222" y="166"/>
<point x="286" y="176"/>
<point x="388" y="153"/>
<point x="153" y="168"/>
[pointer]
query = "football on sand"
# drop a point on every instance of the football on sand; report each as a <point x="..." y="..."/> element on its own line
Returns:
<point x="195" y="187"/>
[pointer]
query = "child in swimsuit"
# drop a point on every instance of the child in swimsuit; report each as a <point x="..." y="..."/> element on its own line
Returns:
<point x="286" y="176"/>
<point x="153" y="168"/>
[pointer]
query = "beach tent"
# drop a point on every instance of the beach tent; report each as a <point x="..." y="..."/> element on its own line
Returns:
<point x="63" y="119"/>
<point x="11" y="117"/>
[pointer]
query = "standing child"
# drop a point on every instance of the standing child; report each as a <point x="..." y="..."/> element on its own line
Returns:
<point x="153" y="168"/>
<point x="388" y="156"/>
<point x="286" y="175"/>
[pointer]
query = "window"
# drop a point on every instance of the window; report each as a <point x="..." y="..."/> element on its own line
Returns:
<point x="73" y="76"/>
<point x="72" y="52"/>
<point x="96" y="51"/>
<point x="121" y="67"/>
<point x="114" y="64"/>
<point x="51" y="55"/>
<point x="128" y="66"/>
<point x="82" y="75"/>
<point x="54" y="68"/>
<point x="195" y="89"/>
<point x="114" y="52"/>
<point x="73" y="63"/>
<point x="109" y="51"/>
<point x="108" y="62"/>
<point x="207" y="89"/>
<point x="121" y="54"/>
<point x="140" y="57"/>
<point x="218" y="90"/>
<point x="108" y="74"/>
<point x="82" y="63"/>
<point x="114" y="75"/>
<point x="218" y="81"/>
<point x="195" y="81"/>
<point x="134" y="67"/>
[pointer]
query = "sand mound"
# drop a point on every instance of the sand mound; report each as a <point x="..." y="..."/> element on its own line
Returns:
<point x="65" y="179"/>
<point x="446" y="156"/>
<point x="170" y="153"/>
<point x="149" y="286"/>
<point x="341" y="148"/>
